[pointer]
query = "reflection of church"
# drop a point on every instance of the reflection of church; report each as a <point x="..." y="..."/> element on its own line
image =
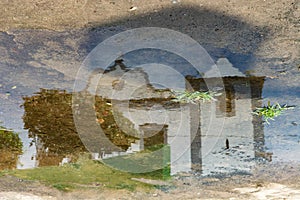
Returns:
<point x="231" y="137"/>
<point x="213" y="137"/>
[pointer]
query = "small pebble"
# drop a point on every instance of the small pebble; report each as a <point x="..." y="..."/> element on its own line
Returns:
<point x="294" y="123"/>
<point x="132" y="8"/>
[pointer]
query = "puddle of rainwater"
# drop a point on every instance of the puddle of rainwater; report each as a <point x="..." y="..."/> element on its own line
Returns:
<point x="187" y="137"/>
<point x="221" y="136"/>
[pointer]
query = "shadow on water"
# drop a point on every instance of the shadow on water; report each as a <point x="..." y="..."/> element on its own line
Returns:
<point x="209" y="27"/>
<point x="221" y="35"/>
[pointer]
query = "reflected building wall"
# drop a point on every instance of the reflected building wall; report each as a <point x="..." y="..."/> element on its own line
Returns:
<point x="197" y="134"/>
<point x="142" y="104"/>
<point x="230" y="119"/>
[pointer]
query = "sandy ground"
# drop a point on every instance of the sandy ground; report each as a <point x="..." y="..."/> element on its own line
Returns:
<point x="267" y="28"/>
<point x="278" y="20"/>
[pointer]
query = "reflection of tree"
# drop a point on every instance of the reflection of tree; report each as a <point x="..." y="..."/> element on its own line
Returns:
<point x="106" y="117"/>
<point x="48" y="117"/>
<point x="10" y="148"/>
